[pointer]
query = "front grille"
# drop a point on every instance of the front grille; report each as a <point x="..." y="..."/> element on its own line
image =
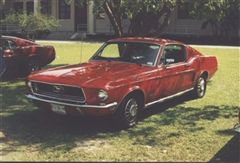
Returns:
<point x="59" y="92"/>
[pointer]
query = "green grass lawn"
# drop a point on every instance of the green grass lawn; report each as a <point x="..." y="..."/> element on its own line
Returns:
<point x="181" y="129"/>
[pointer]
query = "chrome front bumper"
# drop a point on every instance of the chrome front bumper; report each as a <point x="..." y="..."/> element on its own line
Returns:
<point x="111" y="105"/>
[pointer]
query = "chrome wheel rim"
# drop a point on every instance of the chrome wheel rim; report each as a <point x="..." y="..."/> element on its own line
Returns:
<point x="201" y="87"/>
<point x="131" y="110"/>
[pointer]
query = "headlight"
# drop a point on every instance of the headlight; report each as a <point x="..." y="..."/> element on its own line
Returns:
<point x="102" y="95"/>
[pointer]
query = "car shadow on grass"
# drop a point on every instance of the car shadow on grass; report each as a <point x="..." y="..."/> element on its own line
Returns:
<point x="230" y="152"/>
<point x="20" y="74"/>
<point x="22" y="124"/>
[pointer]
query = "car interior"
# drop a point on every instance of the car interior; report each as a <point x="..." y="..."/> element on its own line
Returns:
<point x="8" y="44"/>
<point x="173" y="54"/>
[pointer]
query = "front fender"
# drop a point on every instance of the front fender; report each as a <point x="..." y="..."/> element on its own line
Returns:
<point x="122" y="93"/>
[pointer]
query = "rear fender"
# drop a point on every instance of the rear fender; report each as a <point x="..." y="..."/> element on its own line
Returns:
<point x="208" y="64"/>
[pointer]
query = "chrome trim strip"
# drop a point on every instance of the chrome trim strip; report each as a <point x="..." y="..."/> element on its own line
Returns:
<point x="168" y="97"/>
<point x="74" y="105"/>
<point x="60" y="85"/>
<point x="56" y="98"/>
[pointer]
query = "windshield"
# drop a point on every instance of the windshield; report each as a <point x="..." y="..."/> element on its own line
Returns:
<point x="140" y="53"/>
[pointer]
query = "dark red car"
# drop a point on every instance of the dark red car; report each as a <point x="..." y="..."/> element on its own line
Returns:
<point x="24" y="56"/>
<point x="124" y="76"/>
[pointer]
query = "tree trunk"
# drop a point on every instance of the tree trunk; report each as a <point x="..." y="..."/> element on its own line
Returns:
<point x="147" y="23"/>
<point x="164" y="24"/>
<point x="165" y="13"/>
<point x="114" y="19"/>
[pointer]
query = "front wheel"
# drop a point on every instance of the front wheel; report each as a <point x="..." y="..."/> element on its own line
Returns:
<point x="200" y="87"/>
<point x="126" y="115"/>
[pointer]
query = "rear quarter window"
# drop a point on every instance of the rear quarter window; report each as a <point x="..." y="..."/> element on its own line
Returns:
<point x="174" y="54"/>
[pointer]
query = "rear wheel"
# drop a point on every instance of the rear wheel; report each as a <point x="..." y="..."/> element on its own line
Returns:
<point x="200" y="87"/>
<point x="126" y="115"/>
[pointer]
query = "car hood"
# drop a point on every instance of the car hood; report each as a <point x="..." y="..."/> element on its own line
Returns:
<point x="91" y="74"/>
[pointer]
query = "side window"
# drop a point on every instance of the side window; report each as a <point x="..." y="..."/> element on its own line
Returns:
<point x="111" y="51"/>
<point x="173" y="54"/>
<point x="9" y="44"/>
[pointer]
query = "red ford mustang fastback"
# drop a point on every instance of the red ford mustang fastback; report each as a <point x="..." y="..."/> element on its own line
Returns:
<point x="24" y="56"/>
<point x="122" y="77"/>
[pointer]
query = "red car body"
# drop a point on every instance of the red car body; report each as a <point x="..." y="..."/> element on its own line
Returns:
<point x="150" y="84"/>
<point x="22" y="55"/>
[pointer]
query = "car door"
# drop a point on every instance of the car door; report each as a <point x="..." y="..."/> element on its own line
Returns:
<point x="12" y="53"/>
<point x="10" y="48"/>
<point x="175" y="74"/>
<point x="7" y="50"/>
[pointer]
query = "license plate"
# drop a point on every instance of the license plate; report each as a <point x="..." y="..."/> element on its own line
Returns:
<point x="59" y="109"/>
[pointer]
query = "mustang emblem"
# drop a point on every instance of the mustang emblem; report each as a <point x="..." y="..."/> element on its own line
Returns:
<point x="58" y="89"/>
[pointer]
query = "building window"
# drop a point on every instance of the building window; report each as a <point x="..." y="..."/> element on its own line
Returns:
<point x="46" y="7"/>
<point x="18" y="7"/>
<point x="30" y="9"/>
<point x="64" y="10"/>
<point x="184" y="11"/>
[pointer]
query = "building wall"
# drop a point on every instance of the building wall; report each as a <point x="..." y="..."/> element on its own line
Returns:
<point x="69" y="24"/>
<point x="185" y="26"/>
<point x="65" y="24"/>
<point x="103" y="25"/>
<point x="176" y="26"/>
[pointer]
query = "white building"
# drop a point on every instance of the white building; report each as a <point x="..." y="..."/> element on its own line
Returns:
<point x="75" y="19"/>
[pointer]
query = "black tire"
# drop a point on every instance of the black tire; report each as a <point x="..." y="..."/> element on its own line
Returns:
<point x="33" y="65"/>
<point x="200" y="87"/>
<point x="127" y="113"/>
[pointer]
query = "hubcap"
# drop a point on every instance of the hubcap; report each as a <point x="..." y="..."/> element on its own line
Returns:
<point x="131" y="110"/>
<point x="201" y="86"/>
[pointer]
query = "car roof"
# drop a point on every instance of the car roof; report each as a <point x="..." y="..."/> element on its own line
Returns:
<point x="10" y="37"/>
<point x="159" y="41"/>
<point x="17" y="39"/>
<point x="13" y="38"/>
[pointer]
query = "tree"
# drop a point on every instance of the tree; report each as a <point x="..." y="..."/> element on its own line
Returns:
<point x="113" y="9"/>
<point x="221" y="15"/>
<point x="31" y="23"/>
<point x="146" y="16"/>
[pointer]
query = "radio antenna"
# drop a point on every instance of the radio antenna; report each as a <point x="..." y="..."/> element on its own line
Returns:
<point x="81" y="48"/>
